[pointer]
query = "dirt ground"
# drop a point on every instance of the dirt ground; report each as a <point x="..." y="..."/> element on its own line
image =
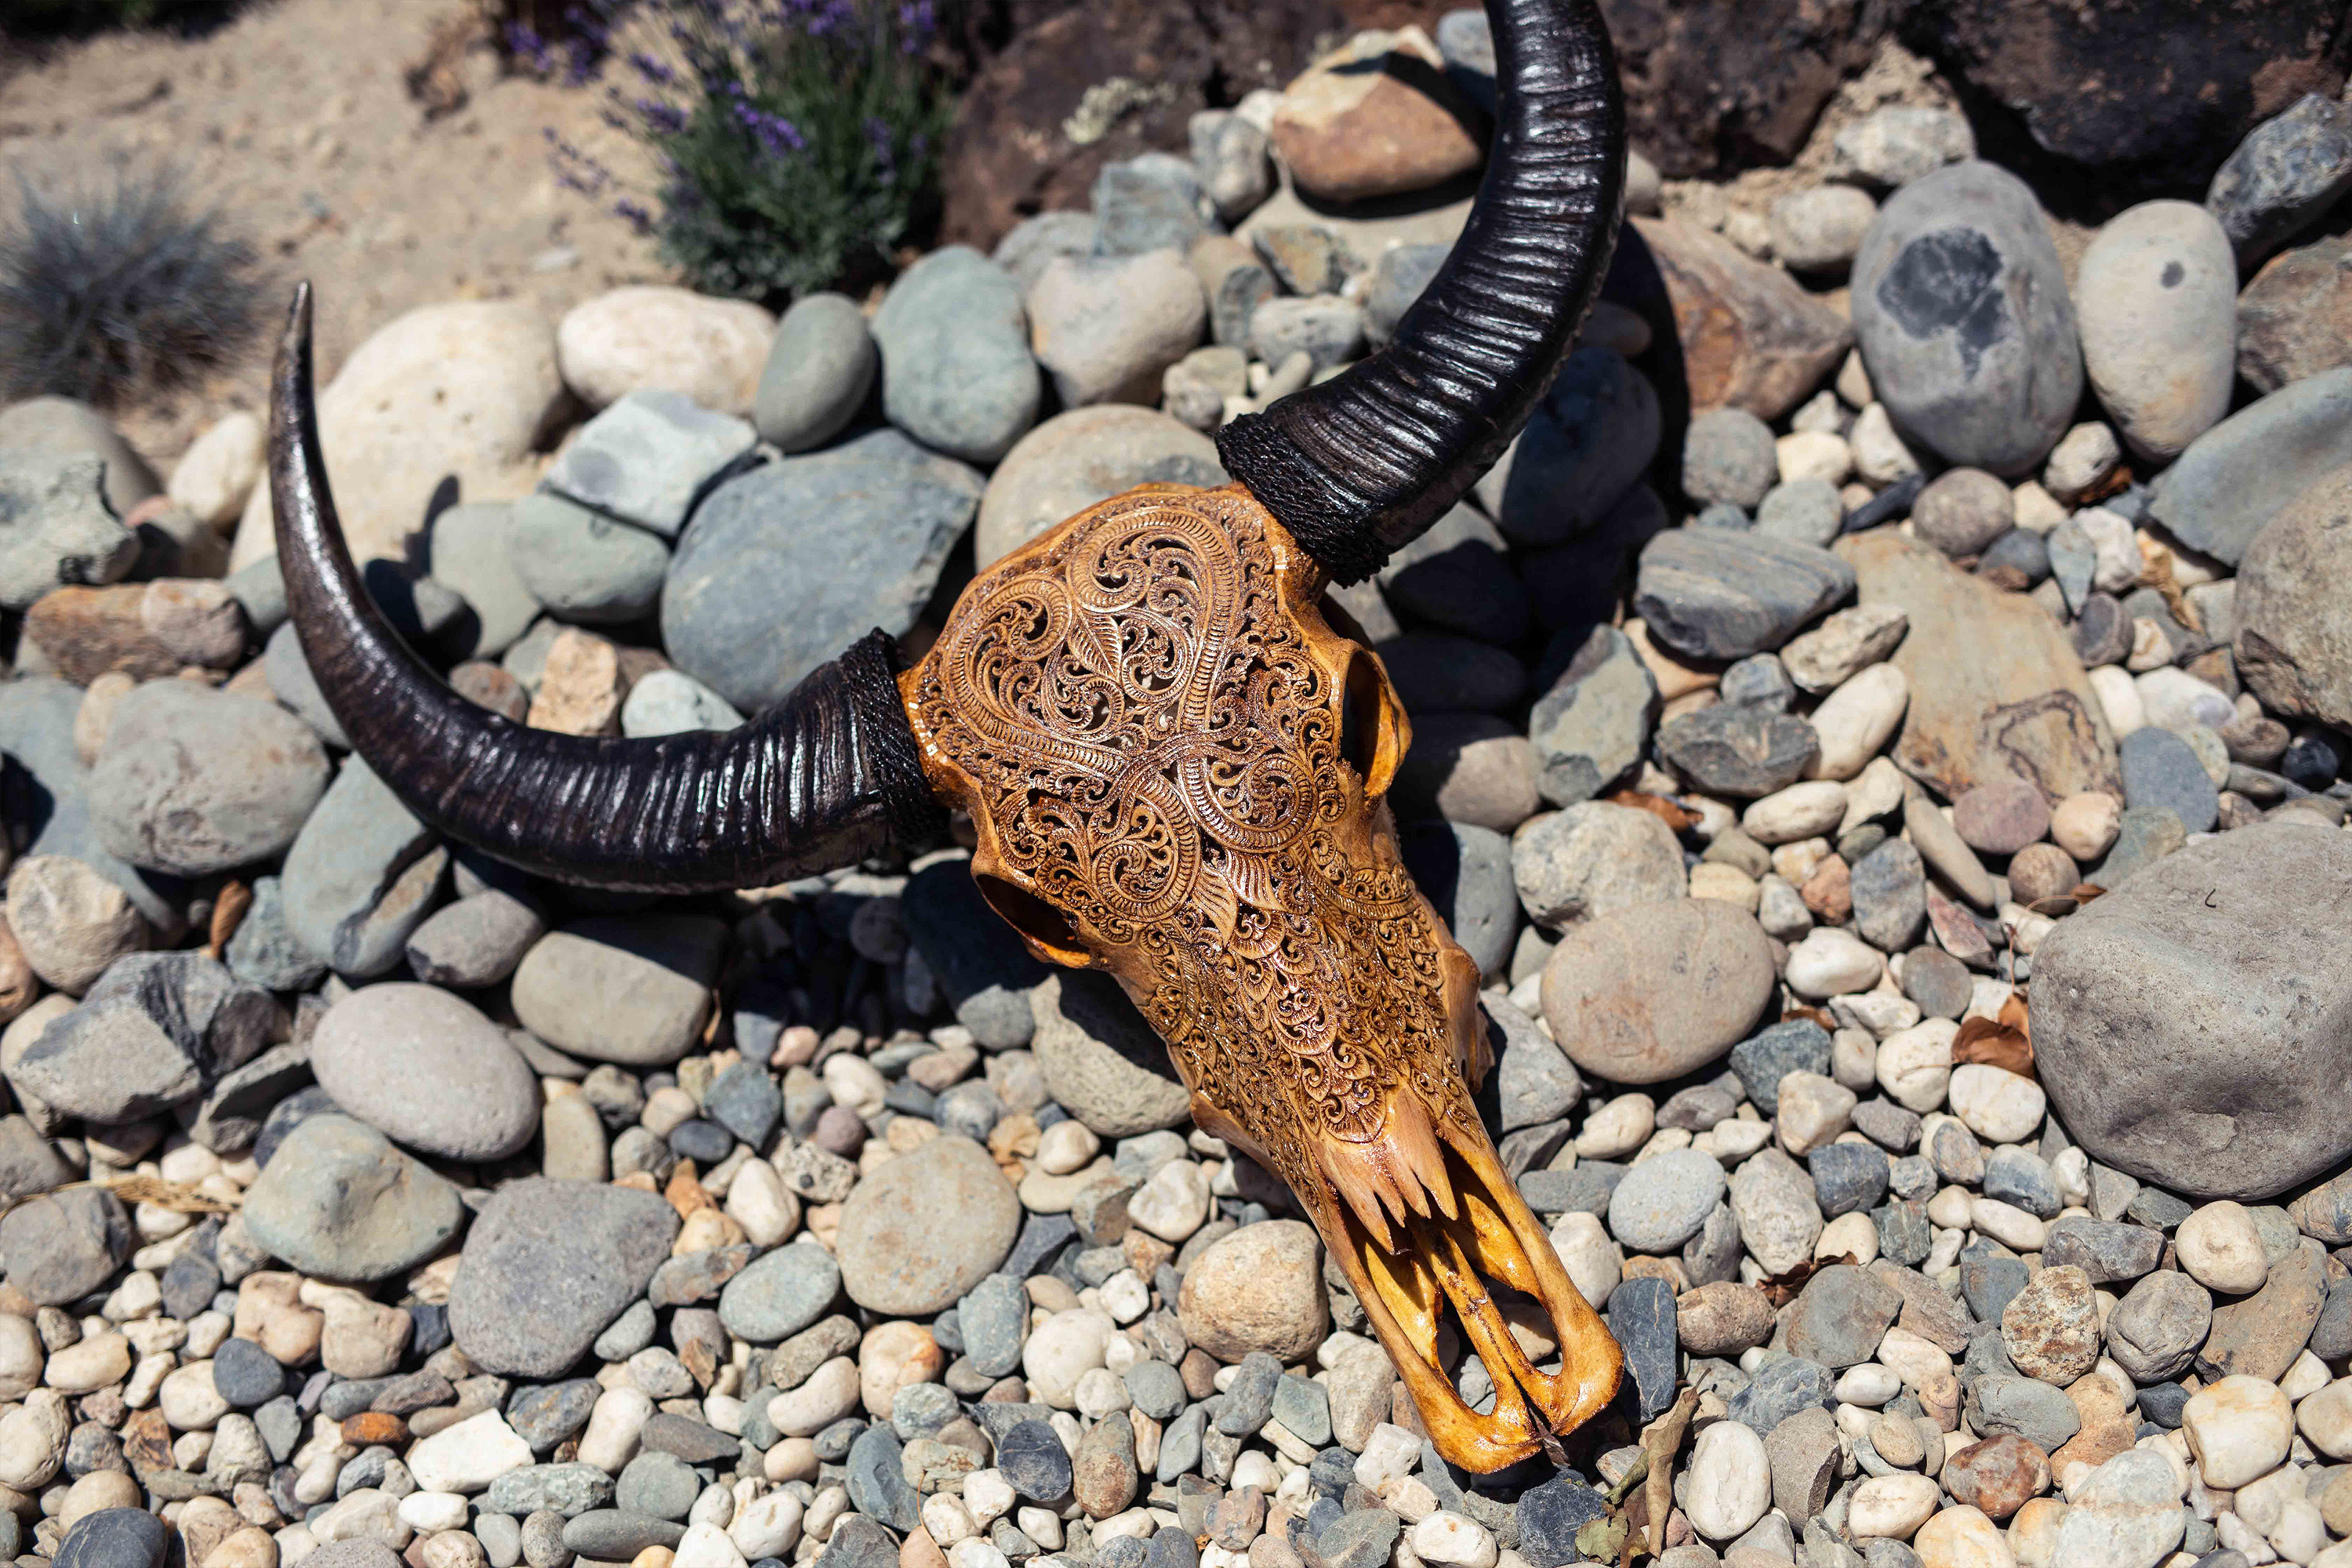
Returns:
<point x="296" y="117"/>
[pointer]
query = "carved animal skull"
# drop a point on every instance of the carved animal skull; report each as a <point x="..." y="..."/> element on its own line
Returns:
<point x="1175" y="766"/>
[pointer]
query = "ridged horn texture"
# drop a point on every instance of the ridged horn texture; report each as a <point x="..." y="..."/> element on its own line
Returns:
<point x="828" y="777"/>
<point x="1363" y="463"/>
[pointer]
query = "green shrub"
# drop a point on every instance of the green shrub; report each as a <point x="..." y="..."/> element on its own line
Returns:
<point x="798" y="143"/>
<point x="120" y="285"/>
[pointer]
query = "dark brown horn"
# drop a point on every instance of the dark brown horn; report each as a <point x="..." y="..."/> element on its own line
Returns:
<point x="828" y="777"/>
<point x="1363" y="463"/>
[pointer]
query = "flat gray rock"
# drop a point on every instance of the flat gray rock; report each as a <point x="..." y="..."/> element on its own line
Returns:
<point x="361" y="876"/>
<point x="547" y="1265"/>
<point x="192" y="781"/>
<point x="2194" y="1026"/>
<point x="648" y="458"/>
<point x="428" y="1070"/>
<point x="2247" y="469"/>
<point x="1709" y="593"/>
<point x="337" y="1200"/>
<point x="1102" y="1062"/>
<point x="957" y="374"/>
<point x="783" y="567"/>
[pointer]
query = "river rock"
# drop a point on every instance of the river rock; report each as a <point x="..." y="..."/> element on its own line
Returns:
<point x="60" y="1247"/>
<point x="547" y="1266"/>
<point x="55" y="528"/>
<point x="464" y="390"/>
<point x="658" y="335"/>
<point x="1589" y="439"/>
<point x="1751" y="337"/>
<point x="339" y="1200"/>
<point x="1464" y="872"/>
<point x="1652" y="992"/>
<point x="2144" y="1005"/>
<point x="957" y="374"/>
<point x="1586" y="860"/>
<point x="633" y="989"/>
<point x="155" y="1030"/>
<point x="1375" y="118"/>
<point x="1257" y="1288"/>
<point x="2294" y="639"/>
<point x="193" y="781"/>
<point x="2288" y="173"/>
<point x="922" y="1231"/>
<point x="2294" y="319"/>
<point x="1972" y="720"/>
<point x="2251" y="466"/>
<point x="469" y="552"/>
<point x="1101" y="1061"/>
<point x="2157" y="292"/>
<point x="1106" y="328"/>
<point x="428" y="1069"/>
<point x="1715" y="594"/>
<point x="362" y="874"/>
<point x="584" y="566"/>
<point x="1076" y="458"/>
<point x="785" y="566"/>
<point x="820" y="367"/>
<point x="1962" y="314"/>
<point x="1589" y="731"/>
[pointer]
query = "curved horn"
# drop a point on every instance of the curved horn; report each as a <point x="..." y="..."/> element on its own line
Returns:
<point x="1363" y="463"/>
<point x="826" y="777"/>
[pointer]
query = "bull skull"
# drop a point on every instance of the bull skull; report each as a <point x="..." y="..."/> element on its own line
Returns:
<point x="1175" y="769"/>
<point x="1174" y="765"/>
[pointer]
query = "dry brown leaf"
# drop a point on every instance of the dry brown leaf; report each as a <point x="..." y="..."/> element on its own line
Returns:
<point x="2156" y="572"/>
<point x="1660" y="1442"/>
<point x="1677" y="817"/>
<point x="1810" y="1015"/>
<point x="1994" y="1043"/>
<point x="2083" y="892"/>
<point x="1781" y="1289"/>
<point x="179" y="1197"/>
<point x="229" y="907"/>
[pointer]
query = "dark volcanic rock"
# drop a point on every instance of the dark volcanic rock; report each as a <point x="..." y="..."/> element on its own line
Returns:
<point x="2149" y="94"/>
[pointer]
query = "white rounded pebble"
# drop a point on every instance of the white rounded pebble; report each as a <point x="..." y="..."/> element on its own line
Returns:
<point x="1997" y="1105"/>
<point x="188" y="1399"/>
<point x="1174" y="1203"/>
<point x="1963" y="1538"/>
<point x="706" y="1546"/>
<point x="1453" y="1540"/>
<point x="1869" y="1383"/>
<point x="758" y="1201"/>
<point x="2238" y="1428"/>
<point x="2007" y="1223"/>
<point x="1914" y="1066"/>
<point x="1801" y="811"/>
<point x="21" y="1356"/>
<point x="1590" y="1254"/>
<point x="830" y="1392"/>
<point x="1830" y="963"/>
<point x="1850" y="1235"/>
<point x="433" y="1511"/>
<point x="1855" y="721"/>
<point x="614" y="1424"/>
<point x="1067" y="1146"/>
<point x="766" y="1526"/>
<point x="1060" y="1350"/>
<point x="1617" y="1128"/>
<point x="1730" y="1480"/>
<point x="1892" y="1506"/>
<point x="2221" y="1250"/>
<point x="468" y="1454"/>
<point x="947" y="1520"/>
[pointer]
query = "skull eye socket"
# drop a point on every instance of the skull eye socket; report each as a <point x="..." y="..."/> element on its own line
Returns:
<point x="1371" y="735"/>
<point x="1047" y="930"/>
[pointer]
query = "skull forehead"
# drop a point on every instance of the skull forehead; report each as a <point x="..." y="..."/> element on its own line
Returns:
<point x="1142" y="711"/>
<point x="1156" y="663"/>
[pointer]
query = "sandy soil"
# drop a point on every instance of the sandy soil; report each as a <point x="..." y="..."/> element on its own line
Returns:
<point x="296" y="118"/>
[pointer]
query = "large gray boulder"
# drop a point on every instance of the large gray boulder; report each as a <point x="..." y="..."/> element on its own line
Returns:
<point x="2194" y="1027"/>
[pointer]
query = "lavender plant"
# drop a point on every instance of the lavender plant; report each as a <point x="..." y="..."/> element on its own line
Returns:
<point x="797" y="142"/>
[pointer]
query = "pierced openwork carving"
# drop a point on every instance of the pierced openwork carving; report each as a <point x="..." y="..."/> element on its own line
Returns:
<point x="1174" y="767"/>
